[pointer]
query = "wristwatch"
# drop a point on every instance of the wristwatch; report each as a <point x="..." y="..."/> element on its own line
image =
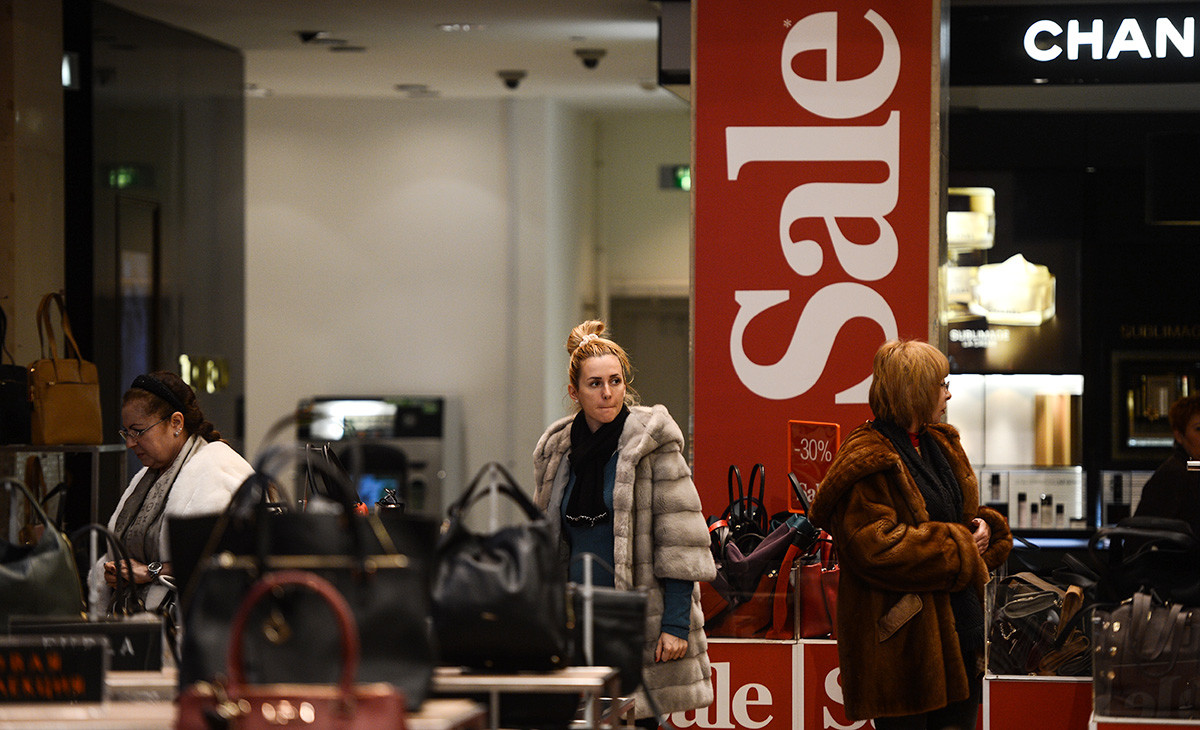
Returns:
<point x="154" y="569"/>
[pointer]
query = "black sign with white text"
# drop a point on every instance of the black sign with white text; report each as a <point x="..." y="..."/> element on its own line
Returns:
<point x="1074" y="44"/>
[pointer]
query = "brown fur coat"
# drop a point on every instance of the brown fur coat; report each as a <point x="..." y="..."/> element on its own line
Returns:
<point x="659" y="532"/>
<point x="897" y="646"/>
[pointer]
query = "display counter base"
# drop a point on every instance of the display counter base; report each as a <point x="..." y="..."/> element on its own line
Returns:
<point x="1101" y="722"/>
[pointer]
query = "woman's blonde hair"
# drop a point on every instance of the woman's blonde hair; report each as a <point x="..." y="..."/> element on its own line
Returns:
<point x="584" y="342"/>
<point x="907" y="375"/>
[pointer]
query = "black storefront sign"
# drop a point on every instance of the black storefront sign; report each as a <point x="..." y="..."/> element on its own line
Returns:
<point x="1074" y="44"/>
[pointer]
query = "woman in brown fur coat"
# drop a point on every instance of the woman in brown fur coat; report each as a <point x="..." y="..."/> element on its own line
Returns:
<point x="615" y="477"/>
<point x="915" y="549"/>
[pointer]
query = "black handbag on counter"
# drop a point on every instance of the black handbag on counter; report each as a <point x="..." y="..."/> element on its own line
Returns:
<point x="608" y="627"/>
<point x="1156" y="554"/>
<point x="380" y="564"/>
<point x="38" y="579"/>
<point x="499" y="599"/>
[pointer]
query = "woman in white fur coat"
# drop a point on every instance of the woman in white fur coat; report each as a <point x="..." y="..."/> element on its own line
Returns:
<point x="187" y="470"/>
<point x="615" y="476"/>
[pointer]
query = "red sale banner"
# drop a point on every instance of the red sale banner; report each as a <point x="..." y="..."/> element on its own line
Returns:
<point x="811" y="448"/>
<point x="814" y="198"/>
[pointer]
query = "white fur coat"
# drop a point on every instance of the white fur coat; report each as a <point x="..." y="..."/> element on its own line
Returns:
<point x="659" y="532"/>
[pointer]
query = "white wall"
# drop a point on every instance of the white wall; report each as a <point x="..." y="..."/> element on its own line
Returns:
<point x="645" y="232"/>
<point x="438" y="246"/>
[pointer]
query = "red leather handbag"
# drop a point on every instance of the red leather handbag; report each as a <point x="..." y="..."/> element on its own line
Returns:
<point x="345" y="706"/>
<point x="815" y="599"/>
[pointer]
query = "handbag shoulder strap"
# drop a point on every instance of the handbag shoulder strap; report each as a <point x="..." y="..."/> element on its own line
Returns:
<point x="45" y="322"/>
<point x="4" y="338"/>
<point x="494" y="475"/>
<point x="34" y="504"/>
<point x="35" y="478"/>
<point x="1040" y="583"/>
<point x="114" y="547"/>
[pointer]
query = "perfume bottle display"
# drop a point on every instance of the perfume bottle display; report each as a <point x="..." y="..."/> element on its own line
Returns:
<point x="1015" y="292"/>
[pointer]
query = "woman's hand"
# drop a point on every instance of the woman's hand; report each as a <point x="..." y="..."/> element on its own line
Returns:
<point x="981" y="533"/>
<point x="669" y="647"/>
<point x="140" y="573"/>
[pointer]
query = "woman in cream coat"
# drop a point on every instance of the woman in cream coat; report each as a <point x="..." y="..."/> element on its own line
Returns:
<point x="615" y="476"/>
<point x="187" y="470"/>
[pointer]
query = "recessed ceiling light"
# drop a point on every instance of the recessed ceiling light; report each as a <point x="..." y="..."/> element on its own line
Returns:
<point x="460" y="27"/>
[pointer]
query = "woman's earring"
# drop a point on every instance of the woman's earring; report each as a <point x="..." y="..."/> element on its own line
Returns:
<point x="176" y="432"/>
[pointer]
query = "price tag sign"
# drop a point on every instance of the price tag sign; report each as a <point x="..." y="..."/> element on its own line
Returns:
<point x="811" y="446"/>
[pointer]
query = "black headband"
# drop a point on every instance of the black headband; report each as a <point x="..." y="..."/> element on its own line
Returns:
<point x="157" y="387"/>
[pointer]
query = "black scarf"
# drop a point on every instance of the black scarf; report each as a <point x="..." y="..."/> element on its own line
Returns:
<point x="929" y="469"/>
<point x="589" y="454"/>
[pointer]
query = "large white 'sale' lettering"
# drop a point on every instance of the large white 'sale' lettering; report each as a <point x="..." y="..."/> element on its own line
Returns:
<point x="828" y="201"/>
<point x="833" y="689"/>
<point x="797" y="371"/>
<point x="729" y="709"/>
<point x="829" y="97"/>
<point x="825" y="201"/>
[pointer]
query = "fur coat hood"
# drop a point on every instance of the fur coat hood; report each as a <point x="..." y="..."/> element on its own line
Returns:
<point x="659" y="532"/>
<point x="897" y="643"/>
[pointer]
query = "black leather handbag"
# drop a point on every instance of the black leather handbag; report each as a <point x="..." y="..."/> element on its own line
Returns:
<point x="379" y="564"/>
<point x="38" y="579"/>
<point x="1147" y="659"/>
<point x="1156" y="554"/>
<point x="608" y="627"/>
<point x="499" y="599"/>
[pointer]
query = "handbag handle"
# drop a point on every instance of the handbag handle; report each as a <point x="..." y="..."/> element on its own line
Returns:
<point x="506" y="486"/>
<point x="120" y="555"/>
<point x="4" y="336"/>
<point x="347" y="630"/>
<point x="10" y="482"/>
<point x="1146" y="639"/>
<point x="44" y="321"/>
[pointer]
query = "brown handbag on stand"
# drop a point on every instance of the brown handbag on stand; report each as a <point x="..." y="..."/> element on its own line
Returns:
<point x="346" y="705"/>
<point x="65" y="391"/>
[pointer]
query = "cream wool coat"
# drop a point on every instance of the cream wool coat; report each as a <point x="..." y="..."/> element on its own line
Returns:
<point x="659" y="532"/>
<point x="205" y="485"/>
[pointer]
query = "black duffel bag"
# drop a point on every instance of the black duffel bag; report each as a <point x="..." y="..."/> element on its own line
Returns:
<point x="499" y="599"/>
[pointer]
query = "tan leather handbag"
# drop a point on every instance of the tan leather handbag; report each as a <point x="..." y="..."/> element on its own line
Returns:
<point x="65" y="391"/>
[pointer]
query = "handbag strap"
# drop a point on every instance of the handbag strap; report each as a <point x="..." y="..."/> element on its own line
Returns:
<point x="35" y="478"/>
<point x="505" y="485"/>
<point x="4" y="338"/>
<point x="115" y="548"/>
<point x="1150" y="634"/>
<point x="10" y="482"/>
<point x="779" y="604"/>
<point x="44" y="321"/>
<point x="347" y="630"/>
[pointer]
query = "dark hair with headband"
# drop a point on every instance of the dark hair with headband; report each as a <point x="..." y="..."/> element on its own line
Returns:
<point x="163" y="393"/>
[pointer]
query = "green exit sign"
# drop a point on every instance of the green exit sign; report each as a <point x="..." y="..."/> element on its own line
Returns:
<point x="675" y="177"/>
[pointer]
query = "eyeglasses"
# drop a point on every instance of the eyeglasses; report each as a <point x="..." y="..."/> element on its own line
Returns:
<point x="133" y="434"/>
